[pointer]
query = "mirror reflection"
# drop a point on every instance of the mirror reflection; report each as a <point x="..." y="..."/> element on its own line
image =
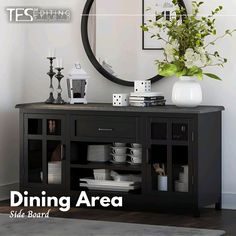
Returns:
<point x="116" y="39"/>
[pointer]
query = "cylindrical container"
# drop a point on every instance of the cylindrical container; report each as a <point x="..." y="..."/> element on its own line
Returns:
<point x="162" y="183"/>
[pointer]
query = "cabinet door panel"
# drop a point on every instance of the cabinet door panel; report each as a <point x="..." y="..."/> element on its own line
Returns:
<point x="44" y="155"/>
<point x="170" y="161"/>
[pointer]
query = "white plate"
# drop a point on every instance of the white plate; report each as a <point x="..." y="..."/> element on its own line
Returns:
<point x="109" y="188"/>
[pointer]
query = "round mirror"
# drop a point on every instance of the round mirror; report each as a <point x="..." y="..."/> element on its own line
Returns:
<point x="114" y="41"/>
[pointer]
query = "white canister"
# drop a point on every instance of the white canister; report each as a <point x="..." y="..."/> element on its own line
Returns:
<point x="162" y="183"/>
<point x="187" y="92"/>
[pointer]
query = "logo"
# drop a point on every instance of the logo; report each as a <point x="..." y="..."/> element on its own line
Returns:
<point x="38" y="15"/>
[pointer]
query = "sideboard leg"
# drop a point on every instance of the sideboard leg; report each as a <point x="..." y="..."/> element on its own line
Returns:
<point x="218" y="205"/>
<point x="196" y="212"/>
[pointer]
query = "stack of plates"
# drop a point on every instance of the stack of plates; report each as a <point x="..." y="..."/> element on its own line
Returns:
<point x="54" y="172"/>
<point x="98" y="153"/>
<point x="109" y="185"/>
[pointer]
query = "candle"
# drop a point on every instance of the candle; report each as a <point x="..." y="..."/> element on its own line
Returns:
<point x="51" y="52"/>
<point x="59" y="63"/>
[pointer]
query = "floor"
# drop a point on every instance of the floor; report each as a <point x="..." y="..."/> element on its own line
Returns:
<point x="210" y="219"/>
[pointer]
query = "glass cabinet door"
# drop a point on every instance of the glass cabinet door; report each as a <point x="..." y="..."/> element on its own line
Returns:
<point x="44" y="150"/>
<point x="35" y="161"/>
<point x="169" y="155"/>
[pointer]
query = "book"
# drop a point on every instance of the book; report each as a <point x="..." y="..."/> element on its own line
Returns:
<point x="146" y="94"/>
<point x="148" y="104"/>
<point x="155" y="98"/>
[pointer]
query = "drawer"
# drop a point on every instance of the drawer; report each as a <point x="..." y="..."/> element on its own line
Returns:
<point x="104" y="127"/>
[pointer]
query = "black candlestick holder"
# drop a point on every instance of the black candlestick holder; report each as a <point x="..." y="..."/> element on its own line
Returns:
<point x="59" y="77"/>
<point x="51" y="73"/>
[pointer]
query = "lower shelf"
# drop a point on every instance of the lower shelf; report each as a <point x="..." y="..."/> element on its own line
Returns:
<point x="109" y="185"/>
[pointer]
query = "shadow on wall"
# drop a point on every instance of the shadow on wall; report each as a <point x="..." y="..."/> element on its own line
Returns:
<point x="9" y="146"/>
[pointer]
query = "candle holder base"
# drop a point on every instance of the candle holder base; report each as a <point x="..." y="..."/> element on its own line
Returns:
<point x="59" y="100"/>
<point x="50" y="100"/>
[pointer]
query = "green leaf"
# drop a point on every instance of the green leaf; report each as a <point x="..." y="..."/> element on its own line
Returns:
<point x="194" y="71"/>
<point x="144" y="28"/>
<point x="181" y="73"/>
<point x="200" y="75"/>
<point x="167" y="70"/>
<point x="213" y="76"/>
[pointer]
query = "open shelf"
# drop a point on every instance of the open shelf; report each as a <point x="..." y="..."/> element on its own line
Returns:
<point x="77" y="174"/>
<point x="79" y="152"/>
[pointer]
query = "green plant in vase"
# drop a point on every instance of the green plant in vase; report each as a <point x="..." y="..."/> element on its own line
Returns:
<point x="188" y="50"/>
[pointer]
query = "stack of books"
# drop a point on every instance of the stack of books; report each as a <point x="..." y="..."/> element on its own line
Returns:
<point x="147" y="99"/>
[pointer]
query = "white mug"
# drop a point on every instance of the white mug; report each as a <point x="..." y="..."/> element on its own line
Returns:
<point x="136" y="151"/>
<point x="119" y="144"/>
<point x="136" y="145"/>
<point x="118" y="158"/>
<point x="119" y="150"/>
<point x="136" y="160"/>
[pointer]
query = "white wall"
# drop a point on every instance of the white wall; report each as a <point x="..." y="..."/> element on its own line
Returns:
<point x="11" y="77"/>
<point x="67" y="39"/>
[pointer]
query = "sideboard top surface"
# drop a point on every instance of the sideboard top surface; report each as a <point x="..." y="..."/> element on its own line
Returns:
<point x="107" y="107"/>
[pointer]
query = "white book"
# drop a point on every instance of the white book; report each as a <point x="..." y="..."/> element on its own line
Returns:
<point x="147" y="94"/>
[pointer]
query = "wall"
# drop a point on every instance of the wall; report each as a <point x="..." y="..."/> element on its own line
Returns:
<point x="67" y="39"/>
<point x="11" y="77"/>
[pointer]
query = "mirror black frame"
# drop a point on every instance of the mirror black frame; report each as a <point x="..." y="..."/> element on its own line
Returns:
<point x="91" y="56"/>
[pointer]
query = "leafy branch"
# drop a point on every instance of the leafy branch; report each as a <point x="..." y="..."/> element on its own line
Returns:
<point x="186" y="52"/>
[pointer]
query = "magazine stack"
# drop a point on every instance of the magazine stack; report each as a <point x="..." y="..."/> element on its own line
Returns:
<point x="147" y="99"/>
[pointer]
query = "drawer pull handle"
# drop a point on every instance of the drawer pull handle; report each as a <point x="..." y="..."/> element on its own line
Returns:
<point x="107" y="130"/>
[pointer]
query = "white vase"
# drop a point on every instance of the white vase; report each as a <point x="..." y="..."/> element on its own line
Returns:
<point x="187" y="92"/>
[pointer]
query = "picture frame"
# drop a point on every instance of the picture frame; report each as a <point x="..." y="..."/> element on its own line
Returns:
<point x="166" y="7"/>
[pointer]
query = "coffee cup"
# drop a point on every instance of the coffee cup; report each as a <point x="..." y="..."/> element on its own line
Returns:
<point x="136" y="160"/>
<point x="119" y="158"/>
<point x="136" y="151"/>
<point x="136" y="145"/>
<point x="119" y="150"/>
<point x="119" y="144"/>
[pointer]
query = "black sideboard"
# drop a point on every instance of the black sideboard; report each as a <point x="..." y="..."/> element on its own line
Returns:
<point x="174" y="136"/>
